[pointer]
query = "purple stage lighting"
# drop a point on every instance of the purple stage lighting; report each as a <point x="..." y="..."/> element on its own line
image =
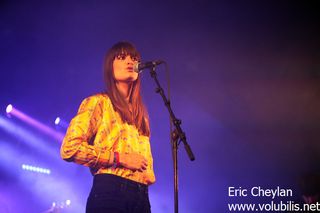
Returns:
<point x="58" y="206"/>
<point x="9" y="108"/>
<point x="57" y="121"/>
<point x="35" y="169"/>
<point x="27" y="136"/>
<point x="68" y="202"/>
<point x="33" y="122"/>
<point x="61" y="123"/>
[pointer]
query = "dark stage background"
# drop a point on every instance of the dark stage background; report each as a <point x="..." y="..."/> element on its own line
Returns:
<point x="245" y="80"/>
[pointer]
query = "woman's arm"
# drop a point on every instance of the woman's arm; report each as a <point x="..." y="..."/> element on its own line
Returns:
<point x="76" y="145"/>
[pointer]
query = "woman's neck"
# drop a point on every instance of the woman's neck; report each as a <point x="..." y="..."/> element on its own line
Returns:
<point x="124" y="89"/>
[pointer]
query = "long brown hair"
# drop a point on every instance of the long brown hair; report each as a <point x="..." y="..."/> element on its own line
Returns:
<point x="139" y="115"/>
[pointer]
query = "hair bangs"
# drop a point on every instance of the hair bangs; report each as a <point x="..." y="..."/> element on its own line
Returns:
<point x="125" y="48"/>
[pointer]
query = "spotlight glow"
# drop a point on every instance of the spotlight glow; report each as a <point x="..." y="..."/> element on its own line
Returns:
<point x="35" y="169"/>
<point x="9" y="108"/>
<point x="35" y="123"/>
<point x="60" y="122"/>
<point x="68" y="202"/>
<point x="57" y="121"/>
<point x="29" y="138"/>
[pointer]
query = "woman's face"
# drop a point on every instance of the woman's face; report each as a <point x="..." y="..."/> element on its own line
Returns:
<point x="123" y="68"/>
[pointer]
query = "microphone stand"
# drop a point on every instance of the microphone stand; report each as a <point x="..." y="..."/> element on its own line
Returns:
<point x="176" y="136"/>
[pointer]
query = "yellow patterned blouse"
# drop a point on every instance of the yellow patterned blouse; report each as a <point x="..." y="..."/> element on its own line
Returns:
<point x="96" y="132"/>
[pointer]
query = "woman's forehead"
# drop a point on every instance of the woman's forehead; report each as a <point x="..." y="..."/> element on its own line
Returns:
<point x="130" y="52"/>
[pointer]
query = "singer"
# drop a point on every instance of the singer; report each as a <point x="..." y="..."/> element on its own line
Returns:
<point x="110" y="134"/>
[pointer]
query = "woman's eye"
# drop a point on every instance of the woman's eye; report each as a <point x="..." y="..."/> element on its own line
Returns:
<point x="134" y="58"/>
<point x="121" y="57"/>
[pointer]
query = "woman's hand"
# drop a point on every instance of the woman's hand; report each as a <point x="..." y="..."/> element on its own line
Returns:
<point x="133" y="161"/>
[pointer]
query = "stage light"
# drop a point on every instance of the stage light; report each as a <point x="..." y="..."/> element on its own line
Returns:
<point x="9" y="108"/>
<point x="68" y="202"/>
<point x="35" y="123"/>
<point x="60" y="123"/>
<point x="36" y="169"/>
<point x="57" y="121"/>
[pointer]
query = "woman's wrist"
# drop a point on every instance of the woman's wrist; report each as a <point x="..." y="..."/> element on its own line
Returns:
<point x="116" y="160"/>
<point x="110" y="161"/>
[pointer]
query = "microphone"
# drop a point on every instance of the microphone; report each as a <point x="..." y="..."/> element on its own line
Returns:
<point x="138" y="67"/>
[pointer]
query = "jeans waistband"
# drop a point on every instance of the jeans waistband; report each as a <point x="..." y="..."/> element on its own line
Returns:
<point x="123" y="183"/>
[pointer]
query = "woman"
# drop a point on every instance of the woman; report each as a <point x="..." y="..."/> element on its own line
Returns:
<point x="110" y="135"/>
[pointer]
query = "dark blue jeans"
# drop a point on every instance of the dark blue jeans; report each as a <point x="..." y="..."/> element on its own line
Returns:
<point x="114" y="194"/>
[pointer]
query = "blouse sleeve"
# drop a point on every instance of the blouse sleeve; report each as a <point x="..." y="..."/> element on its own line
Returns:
<point x="77" y="144"/>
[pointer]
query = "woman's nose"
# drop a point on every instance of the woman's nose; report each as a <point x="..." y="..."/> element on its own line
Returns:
<point x="129" y="60"/>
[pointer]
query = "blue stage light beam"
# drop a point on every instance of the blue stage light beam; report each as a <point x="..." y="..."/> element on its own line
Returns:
<point x="33" y="122"/>
<point x="31" y="139"/>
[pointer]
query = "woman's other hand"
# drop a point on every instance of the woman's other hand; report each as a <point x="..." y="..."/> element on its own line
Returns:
<point x="133" y="161"/>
